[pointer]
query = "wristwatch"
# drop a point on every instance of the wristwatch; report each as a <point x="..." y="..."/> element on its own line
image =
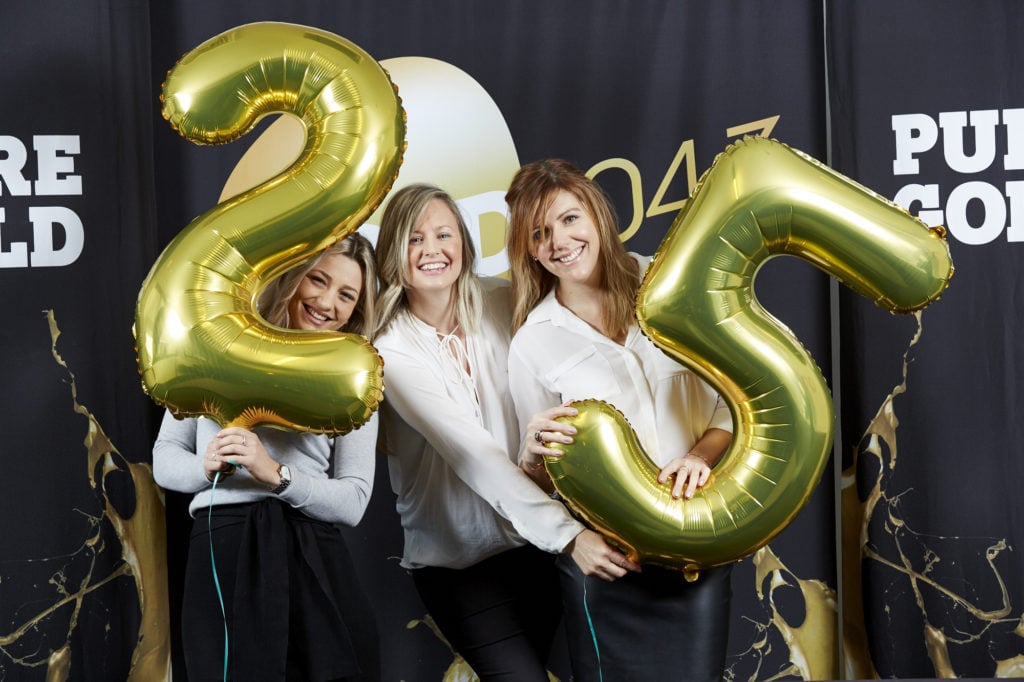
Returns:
<point x="286" y="479"/>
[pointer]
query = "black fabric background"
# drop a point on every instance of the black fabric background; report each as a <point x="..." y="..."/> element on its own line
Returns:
<point x="953" y="485"/>
<point x="588" y="82"/>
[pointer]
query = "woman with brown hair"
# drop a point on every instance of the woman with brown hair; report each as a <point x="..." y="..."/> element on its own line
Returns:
<point x="576" y="337"/>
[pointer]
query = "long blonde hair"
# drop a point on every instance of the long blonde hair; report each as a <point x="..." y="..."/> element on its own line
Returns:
<point x="533" y="188"/>
<point x="403" y="211"/>
<point x="273" y="302"/>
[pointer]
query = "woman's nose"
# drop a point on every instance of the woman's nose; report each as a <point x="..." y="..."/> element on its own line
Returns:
<point x="559" y="235"/>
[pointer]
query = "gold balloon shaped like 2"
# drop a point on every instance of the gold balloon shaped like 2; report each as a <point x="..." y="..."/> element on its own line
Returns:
<point x="758" y="199"/>
<point x="201" y="347"/>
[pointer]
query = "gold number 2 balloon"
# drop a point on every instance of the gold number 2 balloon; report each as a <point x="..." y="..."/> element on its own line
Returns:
<point x="759" y="199"/>
<point x="201" y="347"/>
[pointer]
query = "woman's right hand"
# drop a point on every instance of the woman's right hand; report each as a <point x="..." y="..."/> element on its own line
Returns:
<point x="595" y="556"/>
<point x="543" y="429"/>
<point x="212" y="463"/>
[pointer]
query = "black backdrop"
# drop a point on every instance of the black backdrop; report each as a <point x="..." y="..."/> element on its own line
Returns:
<point x="88" y="585"/>
<point x="943" y="577"/>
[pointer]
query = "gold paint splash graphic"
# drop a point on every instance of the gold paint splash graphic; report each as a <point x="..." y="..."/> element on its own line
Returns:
<point x="142" y="557"/>
<point x="915" y="577"/>
<point x="459" y="670"/>
<point x="810" y="645"/>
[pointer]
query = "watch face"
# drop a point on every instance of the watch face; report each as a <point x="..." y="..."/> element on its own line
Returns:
<point x="286" y="479"/>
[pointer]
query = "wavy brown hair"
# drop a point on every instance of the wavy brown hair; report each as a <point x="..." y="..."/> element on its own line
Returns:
<point x="273" y="302"/>
<point x="531" y="193"/>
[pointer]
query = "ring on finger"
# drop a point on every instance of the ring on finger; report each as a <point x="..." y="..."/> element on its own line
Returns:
<point x="243" y="441"/>
<point x="536" y="437"/>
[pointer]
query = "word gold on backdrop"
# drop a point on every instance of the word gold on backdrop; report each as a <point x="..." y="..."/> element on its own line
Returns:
<point x="759" y="199"/>
<point x="202" y="349"/>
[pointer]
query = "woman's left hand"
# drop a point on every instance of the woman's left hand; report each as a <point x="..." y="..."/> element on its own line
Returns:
<point x="690" y="471"/>
<point x="243" y="448"/>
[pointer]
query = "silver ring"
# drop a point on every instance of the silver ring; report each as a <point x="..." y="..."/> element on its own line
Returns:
<point x="537" y="437"/>
<point x="243" y="441"/>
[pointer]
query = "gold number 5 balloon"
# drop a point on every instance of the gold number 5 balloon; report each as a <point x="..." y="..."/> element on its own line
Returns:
<point x="759" y="199"/>
<point x="202" y="349"/>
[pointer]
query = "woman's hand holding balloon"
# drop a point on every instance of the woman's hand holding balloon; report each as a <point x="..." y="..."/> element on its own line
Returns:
<point x="690" y="472"/>
<point x="693" y="469"/>
<point x="238" y="447"/>
<point x="541" y="430"/>
<point x="596" y="557"/>
<point x="213" y="464"/>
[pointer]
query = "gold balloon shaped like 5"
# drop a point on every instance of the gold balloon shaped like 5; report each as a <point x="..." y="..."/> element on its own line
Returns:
<point x="202" y="349"/>
<point x="758" y="199"/>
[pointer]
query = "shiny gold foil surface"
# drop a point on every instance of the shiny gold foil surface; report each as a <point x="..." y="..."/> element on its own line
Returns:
<point x="202" y="348"/>
<point x="758" y="200"/>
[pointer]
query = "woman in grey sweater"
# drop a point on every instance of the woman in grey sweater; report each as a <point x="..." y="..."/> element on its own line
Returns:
<point x="263" y="542"/>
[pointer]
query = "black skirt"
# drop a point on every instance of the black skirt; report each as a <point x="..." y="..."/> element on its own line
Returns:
<point x="646" y="627"/>
<point x="295" y="609"/>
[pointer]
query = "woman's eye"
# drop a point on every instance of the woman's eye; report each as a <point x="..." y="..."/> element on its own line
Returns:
<point x="571" y="218"/>
<point x="415" y="239"/>
<point x="317" y="279"/>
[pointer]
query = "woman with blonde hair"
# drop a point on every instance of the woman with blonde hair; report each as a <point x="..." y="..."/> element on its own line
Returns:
<point x="576" y="337"/>
<point x="293" y="606"/>
<point x="469" y="514"/>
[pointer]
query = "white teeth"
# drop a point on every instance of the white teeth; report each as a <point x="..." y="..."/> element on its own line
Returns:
<point x="315" y="315"/>
<point x="571" y="257"/>
<point x="433" y="266"/>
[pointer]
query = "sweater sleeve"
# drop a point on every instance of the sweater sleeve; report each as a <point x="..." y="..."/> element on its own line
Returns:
<point x="343" y="497"/>
<point x="176" y="465"/>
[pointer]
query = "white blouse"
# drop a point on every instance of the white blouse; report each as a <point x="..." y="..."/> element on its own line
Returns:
<point x="556" y="357"/>
<point x="452" y="441"/>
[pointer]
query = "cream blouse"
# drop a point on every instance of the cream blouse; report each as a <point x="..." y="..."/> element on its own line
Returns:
<point x="452" y="441"/>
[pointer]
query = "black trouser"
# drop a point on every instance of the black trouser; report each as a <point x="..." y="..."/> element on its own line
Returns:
<point x="500" y="614"/>
<point x="646" y="627"/>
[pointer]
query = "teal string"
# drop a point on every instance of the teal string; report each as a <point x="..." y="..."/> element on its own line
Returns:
<point x="593" y="633"/>
<point x="216" y="580"/>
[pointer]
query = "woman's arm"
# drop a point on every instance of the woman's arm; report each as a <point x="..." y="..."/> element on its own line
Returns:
<point x="343" y="498"/>
<point x="589" y="549"/>
<point x="692" y="470"/>
<point x="474" y="453"/>
<point x="176" y="465"/>
<point x="712" y="445"/>
<point x="531" y="398"/>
